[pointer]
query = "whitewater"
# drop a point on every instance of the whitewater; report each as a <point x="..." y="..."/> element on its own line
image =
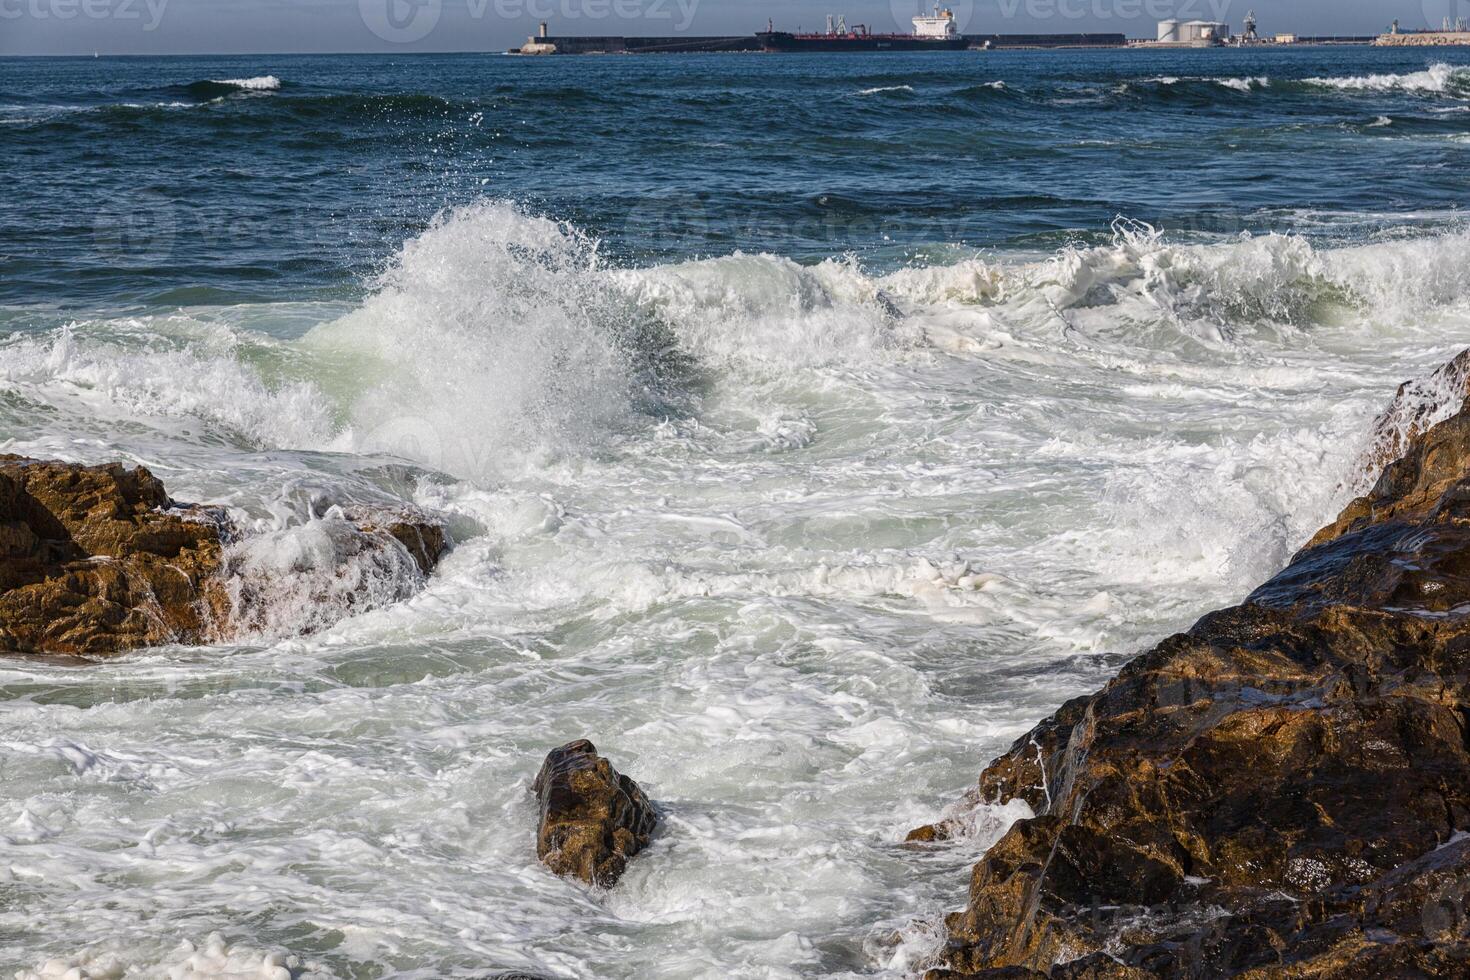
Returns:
<point x="798" y="540"/>
<point x="788" y="541"/>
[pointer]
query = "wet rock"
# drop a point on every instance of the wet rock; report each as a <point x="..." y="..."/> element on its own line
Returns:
<point x="305" y="578"/>
<point x="1281" y="791"/>
<point x="593" y="818"/>
<point x="95" y="560"/>
<point x="426" y="540"/>
<point x="1415" y="406"/>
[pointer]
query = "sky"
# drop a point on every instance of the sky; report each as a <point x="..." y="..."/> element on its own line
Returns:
<point x="29" y="27"/>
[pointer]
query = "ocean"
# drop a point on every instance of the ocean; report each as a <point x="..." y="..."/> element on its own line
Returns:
<point x="808" y="427"/>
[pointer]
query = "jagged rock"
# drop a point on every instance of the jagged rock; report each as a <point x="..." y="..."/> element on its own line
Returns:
<point x="1413" y="408"/>
<point x="593" y="818"/>
<point x="1281" y="791"/>
<point x="97" y="560"/>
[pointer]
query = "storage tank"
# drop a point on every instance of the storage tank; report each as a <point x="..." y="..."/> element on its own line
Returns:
<point x="1203" y="30"/>
<point x="1169" y="31"/>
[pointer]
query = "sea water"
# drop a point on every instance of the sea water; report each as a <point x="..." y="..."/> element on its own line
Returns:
<point x="808" y="428"/>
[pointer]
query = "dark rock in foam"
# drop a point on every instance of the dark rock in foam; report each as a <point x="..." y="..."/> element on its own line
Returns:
<point x="593" y="818"/>
<point x="98" y="560"/>
<point x="1281" y="791"/>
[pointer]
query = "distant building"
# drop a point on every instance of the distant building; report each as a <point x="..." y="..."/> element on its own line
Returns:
<point x="1192" y="33"/>
<point x="1285" y="38"/>
<point x="1203" y="30"/>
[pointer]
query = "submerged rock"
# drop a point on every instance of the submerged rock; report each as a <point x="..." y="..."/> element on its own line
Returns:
<point x="97" y="560"/>
<point x="304" y="578"/>
<point x="425" y="541"/>
<point x="593" y="818"/>
<point x="1282" y="791"/>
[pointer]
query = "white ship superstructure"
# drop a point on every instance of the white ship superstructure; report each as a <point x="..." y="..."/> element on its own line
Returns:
<point x="940" y="24"/>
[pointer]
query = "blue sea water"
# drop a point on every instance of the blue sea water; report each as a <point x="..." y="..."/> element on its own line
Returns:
<point x="132" y="179"/>
<point x="808" y="427"/>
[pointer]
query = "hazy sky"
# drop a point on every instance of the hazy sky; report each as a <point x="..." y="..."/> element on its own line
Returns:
<point x="247" y="26"/>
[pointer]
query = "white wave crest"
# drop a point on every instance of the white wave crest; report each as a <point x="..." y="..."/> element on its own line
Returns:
<point x="1244" y="84"/>
<point x="259" y="83"/>
<point x="175" y="369"/>
<point x="1438" y="77"/>
<point x="1278" y="278"/>
<point x="499" y="340"/>
<point x="886" y="88"/>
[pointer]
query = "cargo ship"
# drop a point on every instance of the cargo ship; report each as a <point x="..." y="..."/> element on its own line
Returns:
<point x="934" y="33"/>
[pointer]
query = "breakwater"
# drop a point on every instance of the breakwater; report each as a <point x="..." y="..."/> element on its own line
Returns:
<point x="1424" y="39"/>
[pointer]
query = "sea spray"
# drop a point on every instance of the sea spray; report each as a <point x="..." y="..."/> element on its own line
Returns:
<point x="494" y="337"/>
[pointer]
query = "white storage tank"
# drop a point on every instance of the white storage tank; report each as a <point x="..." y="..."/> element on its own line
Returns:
<point x="1203" y="30"/>
<point x="1169" y="31"/>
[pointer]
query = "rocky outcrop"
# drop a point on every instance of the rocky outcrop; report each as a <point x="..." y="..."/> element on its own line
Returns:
<point x="98" y="559"/>
<point x="1281" y="791"/>
<point x="593" y="818"/>
<point x="1415" y="406"/>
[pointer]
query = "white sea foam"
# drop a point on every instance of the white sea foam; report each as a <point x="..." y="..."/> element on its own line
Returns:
<point x="798" y="546"/>
<point x="214" y="960"/>
<point x="305" y="578"/>
<point x="495" y="337"/>
<point x="258" y="83"/>
<point x="886" y="88"/>
<point x="168" y="373"/>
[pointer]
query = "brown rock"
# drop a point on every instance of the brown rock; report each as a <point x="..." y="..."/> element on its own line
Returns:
<point x="97" y="559"/>
<point x="93" y="559"/>
<point x="426" y="540"/>
<point x="1278" y="792"/>
<point x="593" y="819"/>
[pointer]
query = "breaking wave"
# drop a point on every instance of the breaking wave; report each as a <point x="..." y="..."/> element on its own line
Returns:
<point x="498" y="339"/>
<point x="1437" y="78"/>
<point x="213" y="88"/>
